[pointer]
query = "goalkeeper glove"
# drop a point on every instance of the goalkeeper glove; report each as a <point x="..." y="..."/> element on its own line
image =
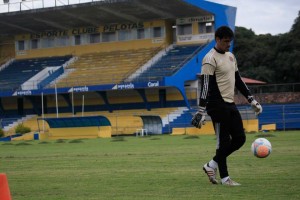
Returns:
<point x="199" y="118"/>
<point x="255" y="105"/>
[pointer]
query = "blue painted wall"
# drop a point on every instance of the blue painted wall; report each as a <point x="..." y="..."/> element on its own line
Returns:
<point x="224" y="15"/>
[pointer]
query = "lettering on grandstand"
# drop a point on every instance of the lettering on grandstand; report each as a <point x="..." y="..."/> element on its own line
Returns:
<point x="123" y="86"/>
<point x="60" y="33"/>
<point x="49" y="34"/>
<point x="79" y="89"/>
<point x="118" y="27"/>
<point x="196" y="38"/>
<point x="184" y="38"/>
<point x="189" y="20"/>
<point x="21" y="53"/>
<point x="153" y="84"/>
<point x="24" y="92"/>
<point x="157" y="40"/>
<point x="88" y="30"/>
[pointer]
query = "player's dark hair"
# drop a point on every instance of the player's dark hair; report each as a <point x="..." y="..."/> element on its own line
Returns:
<point x="224" y="32"/>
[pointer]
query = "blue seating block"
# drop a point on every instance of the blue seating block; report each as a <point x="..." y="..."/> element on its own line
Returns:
<point x="20" y="71"/>
<point x="169" y="63"/>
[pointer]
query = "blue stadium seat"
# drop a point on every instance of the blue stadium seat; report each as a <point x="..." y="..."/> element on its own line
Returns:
<point x="20" y="71"/>
<point x="170" y="63"/>
<point x="9" y="119"/>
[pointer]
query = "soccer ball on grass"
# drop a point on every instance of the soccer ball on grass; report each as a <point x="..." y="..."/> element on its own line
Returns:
<point x="261" y="147"/>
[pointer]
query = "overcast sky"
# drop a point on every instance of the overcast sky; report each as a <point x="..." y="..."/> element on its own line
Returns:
<point x="265" y="16"/>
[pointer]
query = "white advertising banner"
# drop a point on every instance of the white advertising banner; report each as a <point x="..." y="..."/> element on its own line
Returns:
<point x="189" y="20"/>
<point x="196" y="38"/>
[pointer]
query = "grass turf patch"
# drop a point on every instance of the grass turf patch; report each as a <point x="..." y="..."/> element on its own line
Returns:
<point x="167" y="168"/>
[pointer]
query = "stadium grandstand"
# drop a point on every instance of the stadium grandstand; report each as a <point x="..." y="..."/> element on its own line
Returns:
<point x="106" y="67"/>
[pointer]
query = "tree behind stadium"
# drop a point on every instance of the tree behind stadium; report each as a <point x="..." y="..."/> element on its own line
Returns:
<point x="274" y="59"/>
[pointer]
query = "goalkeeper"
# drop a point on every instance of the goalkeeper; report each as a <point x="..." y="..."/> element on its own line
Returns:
<point x="219" y="77"/>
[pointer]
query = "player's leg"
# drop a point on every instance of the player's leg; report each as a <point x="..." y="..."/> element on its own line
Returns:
<point x="223" y="146"/>
<point x="237" y="133"/>
<point x="238" y="138"/>
<point x="220" y="116"/>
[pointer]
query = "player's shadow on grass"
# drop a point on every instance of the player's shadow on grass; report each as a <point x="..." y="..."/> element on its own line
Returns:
<point x="191" y="137"/>
<point x="118" y="139"/>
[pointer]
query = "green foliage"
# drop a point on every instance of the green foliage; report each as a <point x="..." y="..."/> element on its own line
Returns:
<point x="1" y="132"/>
<point x="22" y="129"/>
<point x="274" y="59"/>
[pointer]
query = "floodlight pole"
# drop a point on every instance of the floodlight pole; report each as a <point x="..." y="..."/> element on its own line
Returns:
<point x="43" y="116"/>
<point x="73" y="101"/>
<point x="56" y="101"/>
<point x="82" y="114"/>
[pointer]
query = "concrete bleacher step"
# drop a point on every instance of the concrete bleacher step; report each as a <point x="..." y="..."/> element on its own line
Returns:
<point x="116" y="64"/>
<point x="20" y="71"/>
<point x="16" y="122"/>
<point x="173" y="115"/>
<point x="6" y="64"/>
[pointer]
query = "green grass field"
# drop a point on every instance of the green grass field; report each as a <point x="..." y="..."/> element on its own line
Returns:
<point x="156" y="167"/>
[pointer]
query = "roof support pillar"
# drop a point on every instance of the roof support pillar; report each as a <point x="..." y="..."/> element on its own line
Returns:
<point x="103" y="94"/>
<point x="142" y="93"/>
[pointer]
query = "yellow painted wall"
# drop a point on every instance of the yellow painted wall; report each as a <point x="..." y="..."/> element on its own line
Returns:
<point x="191" y="94"/>
<point x="249" y="126"/>
<point x="99" y="47"/>
<point x="268" y="127"/>
<point x="169" y="32"/>
<point x="7" y="49"/>
<point x="173" y="95"/>
<point x="9" y="103"/>
<point x="26" y="136"/>
<point x="124" y="96"/>
<point x="206" y="129"/>
<point x="90" y="48"/>
<point x="79" y="132"/>
<point x="152" y="95"/>
<point x="154" y="23"/>
<point x="51" y="101"/>
<point x="195" y="29"/>
<point x="125" y="124"/>
<point x="27" y="103"/>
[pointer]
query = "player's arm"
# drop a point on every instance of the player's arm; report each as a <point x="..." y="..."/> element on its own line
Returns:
<point x="199" y="118"/>
<point x="242" y="87"/>
<point x="204" y="80"/>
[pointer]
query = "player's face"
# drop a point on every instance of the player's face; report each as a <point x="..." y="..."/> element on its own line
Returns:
<point x="223" y="44"/>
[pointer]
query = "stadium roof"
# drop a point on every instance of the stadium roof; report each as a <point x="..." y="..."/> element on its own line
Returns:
<point x="94" y="13"/>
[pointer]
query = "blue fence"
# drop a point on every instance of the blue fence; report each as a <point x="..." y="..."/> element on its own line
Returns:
<point x="285" y="116"/>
